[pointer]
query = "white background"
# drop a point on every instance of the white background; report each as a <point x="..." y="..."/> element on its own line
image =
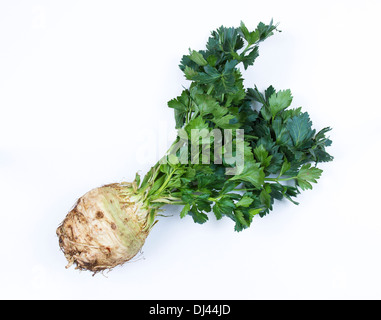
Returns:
<point x="83" y="93"/>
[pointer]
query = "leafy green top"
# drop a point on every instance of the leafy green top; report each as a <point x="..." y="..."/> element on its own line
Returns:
<point x="279" y="142"/>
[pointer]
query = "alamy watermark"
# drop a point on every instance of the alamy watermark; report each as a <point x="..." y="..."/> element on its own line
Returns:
<point x="226" y="149"/>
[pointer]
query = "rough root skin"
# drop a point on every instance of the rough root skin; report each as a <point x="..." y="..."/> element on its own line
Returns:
<point x="107" y="227"/>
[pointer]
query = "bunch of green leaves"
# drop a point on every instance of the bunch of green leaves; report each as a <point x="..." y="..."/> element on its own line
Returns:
<point x="280" y="144"/>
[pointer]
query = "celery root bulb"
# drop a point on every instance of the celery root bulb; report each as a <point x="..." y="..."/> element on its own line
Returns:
<point x="107" y="227"/>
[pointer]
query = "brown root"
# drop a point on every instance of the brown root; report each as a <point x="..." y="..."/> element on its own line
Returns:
<point x="106" y="228"/>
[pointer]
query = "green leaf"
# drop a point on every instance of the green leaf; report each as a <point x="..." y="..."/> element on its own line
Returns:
<point x="262" y="156"/>
<point x="223" y="206"/>
<point x="196" y="123"/>
<point x="279" y="142"/>
<point x="241" y="222"/>
<point x="198" y="58"/>
<point x="265" y="30"/>
<point x="252" y="173"/>
<point x="289" y="113"/>
<point x="223" y="82"/>
<point x="212" y="60"/>
<point x="285" y="167"/>
<point x="202" y="77"/>
<point x="299" y="128"/>
<point x="180" y="105"/>
<point x="255" y="95"/>
<point x="254" y="212"/>
<point x="206" y="104"/>
<point x="265" y="197"/>
<point x="229" y="39"/>
<point x="308" y="174"/>
<point x="262" y="32"/>
<point x="198" y="216"/>
<point x="244" y="31"/>
<point x="248" y="59"/>
<point x="223" y="122"/>
<point x="177" y="105"/>
<point x="212" y="73"/>
<point x="281" y="132"/>
<point x="269" y="92"/>
<point x="280" y="101"/>
<point x="320" y="136"/>
<point x="185" y="210"/>
<point x="245" y="201"/>
<point x="190" y="73"/>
